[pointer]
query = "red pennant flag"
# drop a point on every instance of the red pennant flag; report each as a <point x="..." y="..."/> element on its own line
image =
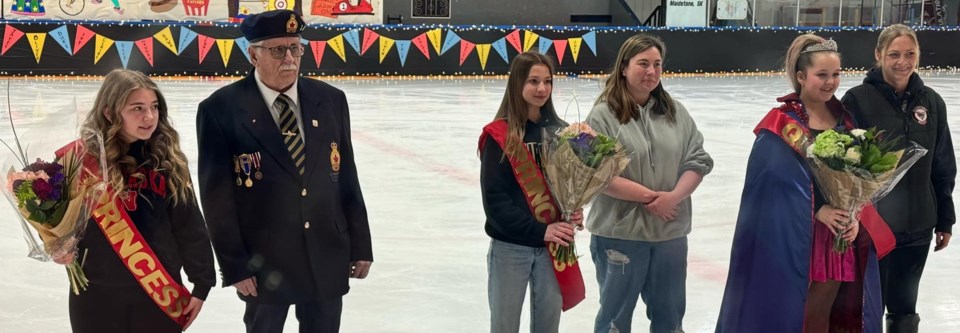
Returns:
<point x="205" y="44"/>
<point x="146" y="48"/>
<point x="561" y="46"/>
<point x="318" y="46"/>
<point x="465" y="49"/>
<point x="369" y="37"/>
<point x="83" y="37"/>
<point x="514" y="39"/>
<point x="421" y="43"/>
<point x="10" y="36"/>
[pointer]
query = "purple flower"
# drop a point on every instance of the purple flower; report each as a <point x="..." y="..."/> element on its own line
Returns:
<point x="43" y="189"/>
<point x="581" y="145"/>
<point x="40" y="165"/>
<point x="56" y="178"/>
<point x="17" y="183"/>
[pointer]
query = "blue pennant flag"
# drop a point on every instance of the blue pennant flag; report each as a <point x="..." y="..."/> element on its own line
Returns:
<point x="590" y="39"/>
<point x="403" y="46"/>
<point x="545" y="44"/>
<point x="353" y="38"/>
<point x="124" y="49"/>
<point x="186" y="37"/>
<point x="62" y="36"/>
<point x="452" y="39"/>
<point x="501" y="47"/>
<point x="304" y="41"/>
<point x="243" y="44"/>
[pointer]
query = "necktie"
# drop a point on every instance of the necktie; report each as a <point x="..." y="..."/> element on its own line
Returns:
<point x="291" y="132"/>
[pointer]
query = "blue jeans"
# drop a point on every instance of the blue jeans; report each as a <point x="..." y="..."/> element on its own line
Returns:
<point x="510" y="268"/>
<point x="653" y="271"/>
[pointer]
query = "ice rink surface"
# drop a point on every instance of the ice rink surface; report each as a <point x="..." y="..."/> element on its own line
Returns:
<point x="416" y="147"/>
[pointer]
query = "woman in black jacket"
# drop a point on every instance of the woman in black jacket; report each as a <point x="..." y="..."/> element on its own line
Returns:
<point x="894" y="99"/>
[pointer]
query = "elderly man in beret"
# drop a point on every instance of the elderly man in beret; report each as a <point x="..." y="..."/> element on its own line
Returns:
<point x="279" y="186"/>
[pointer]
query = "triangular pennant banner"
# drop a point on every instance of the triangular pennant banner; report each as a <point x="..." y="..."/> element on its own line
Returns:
<point x="421" y="43"/>
<point x="452" y="39"/>
<point x="83" y="37"/>
<point x="403" y="46"/>
<point x="501" y="47"/>
<point x="574" y="47"/>
<point x="205" y="44"/>
<point x="243" y="45"/>
<point x="369" y="37"/>
<point x="318" y="46"/>
<point x="101" y="46"/>
<point x="226" y="48"/>
<point x="10" y="36"/>
<point x="514" y="39"/>
<point x="146" y="48"/>
<point x="186" y="37"/>
<point x="529" y="38"/>
<point x="385" y="45"/>
<point x="465" y="48"/>
<point x="124" y="48"/>
<point x="434" y="36"/>
<point x="165" y="37"/>
<point x="336" y="43"/>
<point x="353" y="37"/>
<point x="483" y="50"/>
<point x="545" y="44"/>
<point x="62" y="37"/>
<point x="591" y="39"/>
<point x="36" y="43"/>
<point x="560" y="46"/>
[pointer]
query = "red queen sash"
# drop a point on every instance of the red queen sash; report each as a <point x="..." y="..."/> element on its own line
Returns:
<point x="544" y="209"/>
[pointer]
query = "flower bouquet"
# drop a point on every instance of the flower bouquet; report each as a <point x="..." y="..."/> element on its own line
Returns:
<point x="858" y="167"/>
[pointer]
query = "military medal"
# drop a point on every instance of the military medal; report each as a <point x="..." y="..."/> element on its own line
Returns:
<point x="334" y="161"/>
<point x="236" y="169"/>
<point x="246" y="163"/>
<point x="256" y="166"/>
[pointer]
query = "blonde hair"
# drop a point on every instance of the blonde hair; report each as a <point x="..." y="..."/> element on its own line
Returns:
<point x="888" y="35"/>
<point x="798" y="61"/>
<point x="162" y="149"/>
<point x="513" y="108"/>
<point x="615" y="91"/>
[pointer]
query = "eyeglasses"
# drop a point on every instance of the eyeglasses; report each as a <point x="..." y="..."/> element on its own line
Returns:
<point x="279" y="52"/>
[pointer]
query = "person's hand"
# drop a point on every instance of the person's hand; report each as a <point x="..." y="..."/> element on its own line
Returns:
<point x="247" y="287"/>
<point x="850" y="234"/>
<point x="943" y="239"/>
<point x="577" y="219"/>
<point x="360" y="268"/>
<point x="835" y="219"/>
<point x="560" y="233"/>
<point x="650" y="197"/>
<point x="663" y="206"/>
<point x="191" y="311"/>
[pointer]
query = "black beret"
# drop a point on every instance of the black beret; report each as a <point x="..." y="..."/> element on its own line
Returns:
<point x="271" y="24"/>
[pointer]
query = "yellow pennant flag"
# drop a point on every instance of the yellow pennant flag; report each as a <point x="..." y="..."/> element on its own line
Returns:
<point x="36" y="43"/>
<point x="103" y="45"/>
<point x="434" y="36"/>
<point x="336" y="44"/>
<point x="529" y="38"/>
<point x="226" y="47"/>
<point x="574" y="47"/>
<point x="165" y="37"/>
<point x="386" y="44"/>
<point x="483" y="50"/>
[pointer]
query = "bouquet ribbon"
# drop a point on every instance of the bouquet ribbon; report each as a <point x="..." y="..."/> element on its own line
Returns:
<point x="544" y="209"/>
<point x="139" y="258"/>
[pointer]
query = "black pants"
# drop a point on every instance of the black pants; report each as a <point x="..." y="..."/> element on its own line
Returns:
<point x="322" y="316"/>
<point x="111" y="309"/>
<point x="900" y="273"/>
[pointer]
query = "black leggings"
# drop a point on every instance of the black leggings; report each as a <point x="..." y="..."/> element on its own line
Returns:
<point x="900" y="273"/>
<point x="113" y="309"/>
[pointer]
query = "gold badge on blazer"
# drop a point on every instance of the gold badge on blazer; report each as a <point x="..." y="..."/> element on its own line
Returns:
<point x="246" y="164"/>
<point x="334" y="161"/>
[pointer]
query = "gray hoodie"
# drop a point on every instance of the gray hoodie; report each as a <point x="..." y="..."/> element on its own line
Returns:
<point x="659" y="153"/>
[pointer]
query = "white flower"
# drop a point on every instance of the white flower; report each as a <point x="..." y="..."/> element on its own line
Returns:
<point x="853" y="156"/>
<point x="859" y="133"/>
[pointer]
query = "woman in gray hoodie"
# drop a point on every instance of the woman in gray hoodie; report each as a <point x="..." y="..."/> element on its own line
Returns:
<point x="641" y="221"/>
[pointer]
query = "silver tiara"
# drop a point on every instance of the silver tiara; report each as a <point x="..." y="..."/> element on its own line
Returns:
<point x="828" y="45"/>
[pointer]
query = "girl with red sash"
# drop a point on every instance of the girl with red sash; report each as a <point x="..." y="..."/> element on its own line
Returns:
<point x="520" y="212"/>
<point x="147" y="226"/>
<point x="784" y="275"/>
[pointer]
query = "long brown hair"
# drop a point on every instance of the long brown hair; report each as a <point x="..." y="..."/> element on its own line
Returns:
<point x="162" y="149"/>
<point x="514" y="108"/>
<point x="615" y="92"/>
<point x="888" y="35"/>
<point x="799" y="61"/>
